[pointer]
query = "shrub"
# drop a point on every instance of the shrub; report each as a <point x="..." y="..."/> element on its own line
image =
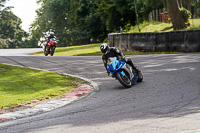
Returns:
<point x="186" y="15"/>
<point x="3" y="43"/>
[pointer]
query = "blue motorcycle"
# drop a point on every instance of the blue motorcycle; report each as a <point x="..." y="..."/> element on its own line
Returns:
<point x="123" y="72"/>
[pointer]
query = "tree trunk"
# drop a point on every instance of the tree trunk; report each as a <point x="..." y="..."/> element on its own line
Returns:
<point x="189" y="5"/>
<point x="179" y="3"/>
<point x="175" y="14"/>
<point x="164" y="1"/>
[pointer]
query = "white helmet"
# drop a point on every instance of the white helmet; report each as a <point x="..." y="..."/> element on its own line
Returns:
<point x="104" y="48"/>
<point x="52" y="33"/>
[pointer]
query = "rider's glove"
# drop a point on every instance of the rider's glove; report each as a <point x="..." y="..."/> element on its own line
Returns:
<point x="123" y="59"/>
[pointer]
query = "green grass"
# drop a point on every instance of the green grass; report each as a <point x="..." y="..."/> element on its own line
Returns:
<point x="152" y="27"/>
<point x="20" y="86"/>
<point x="162" y="27"/>
<point x="89" y="49"/>
<point x="195" y="23"/>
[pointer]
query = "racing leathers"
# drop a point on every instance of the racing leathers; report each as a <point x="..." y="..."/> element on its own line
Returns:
<point x="50" y="37"/>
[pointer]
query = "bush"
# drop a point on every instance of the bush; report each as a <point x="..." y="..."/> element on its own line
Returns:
<point x="186" y="15"/>
<point x="3" y="43"/>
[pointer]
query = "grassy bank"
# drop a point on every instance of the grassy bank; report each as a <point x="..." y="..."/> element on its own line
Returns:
<point x="162" y="27"/>
<point x="151" y="27"/>
<point x="23" y="87"/>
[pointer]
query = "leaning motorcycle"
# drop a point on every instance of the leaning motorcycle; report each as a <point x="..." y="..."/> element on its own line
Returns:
<point x="123" y="72"/>
<point x="50" y="47"/>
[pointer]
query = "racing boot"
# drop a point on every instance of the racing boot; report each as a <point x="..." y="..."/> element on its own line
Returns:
<point x="136" y="69"/>
<point x="130" y="62"/>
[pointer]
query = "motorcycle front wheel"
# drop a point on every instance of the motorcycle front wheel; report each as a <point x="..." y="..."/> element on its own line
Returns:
<point x="45" y="51"/>
<point x="124" y="80"/>
<point x="52" y="50"/>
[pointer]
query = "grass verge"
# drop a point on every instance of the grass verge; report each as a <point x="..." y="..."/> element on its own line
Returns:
<point x="89" y="49"/>
<point x="23" y="87"/>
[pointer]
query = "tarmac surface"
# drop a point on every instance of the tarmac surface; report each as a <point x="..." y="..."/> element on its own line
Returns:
<point x="167" y="101"/>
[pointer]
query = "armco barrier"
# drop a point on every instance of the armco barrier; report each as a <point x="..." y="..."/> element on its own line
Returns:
<point x="175" y="41"/>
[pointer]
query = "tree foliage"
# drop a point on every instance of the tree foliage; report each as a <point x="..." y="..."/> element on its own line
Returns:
<point x="85" y="21"/>
<point x="11" y="33"/>
<point x="77" y="22"/>
<point x="186" y="15"/>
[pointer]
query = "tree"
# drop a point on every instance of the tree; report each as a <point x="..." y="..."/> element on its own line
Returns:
<point x="74" y="22"/>
<point x="180" y="3"/>
<point x="144" y="7"/>
<point x="189" y="5"/>
<point x="116" y="14"/>
<point x="11" y="33"/>
<point x="85" y="21"/>
<point x="175" y="14"/>
<point x="52" y="17"/>
<point x="10" y="29"/>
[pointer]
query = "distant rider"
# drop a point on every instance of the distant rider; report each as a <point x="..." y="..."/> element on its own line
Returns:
<point x="114" y="52"/>
<point x="50" y="37"/>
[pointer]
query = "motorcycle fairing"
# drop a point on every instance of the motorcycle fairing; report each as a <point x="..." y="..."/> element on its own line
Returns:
<point x="116" y="67"/>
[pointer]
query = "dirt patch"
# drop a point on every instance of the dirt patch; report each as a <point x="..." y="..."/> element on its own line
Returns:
<point x="2" y="69"/>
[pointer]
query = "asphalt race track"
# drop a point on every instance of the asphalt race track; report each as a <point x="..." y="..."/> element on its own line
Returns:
<point x="167" y="101"/>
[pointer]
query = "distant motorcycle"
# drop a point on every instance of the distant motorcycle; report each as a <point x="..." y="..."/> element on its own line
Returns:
<point x="50" y="47"/>
<point x="123" y="72"/>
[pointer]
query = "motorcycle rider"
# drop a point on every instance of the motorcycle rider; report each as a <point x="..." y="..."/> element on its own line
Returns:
<point x="114" y="52"/>
<point x="50" y="37"/>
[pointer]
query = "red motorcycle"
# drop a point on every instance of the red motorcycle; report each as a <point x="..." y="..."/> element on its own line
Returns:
<point x="50" y="47"/>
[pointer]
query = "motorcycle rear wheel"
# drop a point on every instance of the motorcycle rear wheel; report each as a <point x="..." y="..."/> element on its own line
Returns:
<point x="124" y="80"/>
